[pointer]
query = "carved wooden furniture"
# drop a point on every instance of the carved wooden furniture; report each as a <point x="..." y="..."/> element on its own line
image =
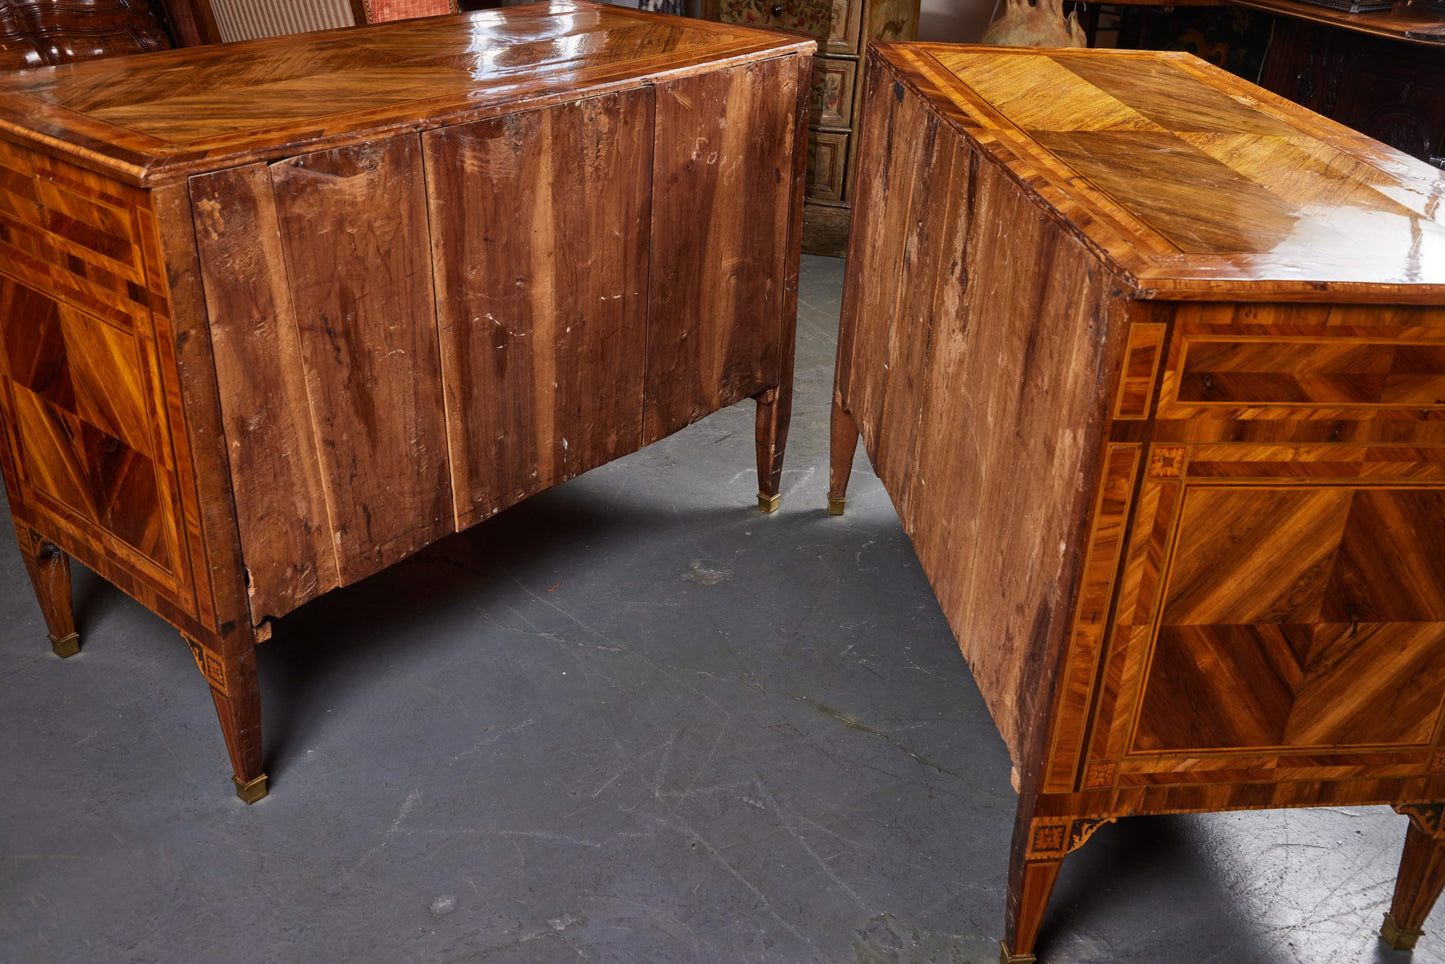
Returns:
<point x="843" y="29"/>
<point x="276" y="315"/>
<point x="36" y="33"/>
<point x="1152" y="364"/>
<point x="1381" y="73"/>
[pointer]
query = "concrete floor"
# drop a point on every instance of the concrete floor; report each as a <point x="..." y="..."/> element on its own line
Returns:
<point x="630" y="720"/>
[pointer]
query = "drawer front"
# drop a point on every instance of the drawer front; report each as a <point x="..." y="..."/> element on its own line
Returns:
<point x="833" y="85"/>
<point x="1297" y="618"/>
<point x="827" y="165"/>
<point x="77" y="395"/>
<point x="1253" y="362"/>
<point x="75" y="233"/>
<point x="835" y="23"/>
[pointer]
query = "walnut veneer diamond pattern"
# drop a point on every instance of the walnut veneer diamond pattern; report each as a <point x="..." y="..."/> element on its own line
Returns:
<point x="1299" y="618"/>
<point x="1133" y="132"/>
<point x="81" y="417"/>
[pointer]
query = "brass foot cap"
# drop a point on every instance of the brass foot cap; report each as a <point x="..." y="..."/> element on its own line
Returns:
<point x="1400" y="938"/>
<point x="1004" y="957"/>
<point x="835" y="506"/>
<point x="251" y="790"/>
<point x="65" y="646"/>
<point x="769" y="503"/>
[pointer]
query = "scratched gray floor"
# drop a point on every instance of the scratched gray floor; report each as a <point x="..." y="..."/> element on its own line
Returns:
<point x="632" y="720"/>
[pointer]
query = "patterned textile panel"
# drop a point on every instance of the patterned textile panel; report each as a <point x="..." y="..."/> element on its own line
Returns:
<point x="249" y="19"/>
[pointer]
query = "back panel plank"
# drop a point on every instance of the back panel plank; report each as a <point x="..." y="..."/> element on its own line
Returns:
<point x="917" y="233"/>
<point x="542" y="284"/>
<point x="270" y="441"/>
<point x="720" y="234"/>
<point x="354" y="228"/>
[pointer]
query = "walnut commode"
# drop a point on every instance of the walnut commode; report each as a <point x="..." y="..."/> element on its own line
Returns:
<point x="278" y="314"/>
<point x="1152" y="364"/>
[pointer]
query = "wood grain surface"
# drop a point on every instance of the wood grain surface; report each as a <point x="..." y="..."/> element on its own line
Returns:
<point x="1190" y="181"/>
<point x="721" y="218"/>
<point x="542" y="292"/>
<point x="271" y="445"/>
<point x="358" y="261"/>
<point x="1410" y="21"/>
<point x="38" y="33"/>
<point x="275" y="316"/>
<point x="1151" y="367"/>
<point x="167" y="115"/>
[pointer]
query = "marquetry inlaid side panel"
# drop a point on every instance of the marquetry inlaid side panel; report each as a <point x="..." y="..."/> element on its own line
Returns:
<point x="83" y="378"/>
<point x="1300" y="624"/>
<point x="541" y="283"/>
<point x="722" y="182"/>
<point x="1282" y="579"/>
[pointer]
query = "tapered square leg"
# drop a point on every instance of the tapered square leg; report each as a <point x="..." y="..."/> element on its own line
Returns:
<point x="1418" y="885"/>
<point x="775" y="410"/>
<point x="49" y="570"/>
<point x="237" y="696"/>
<point x="1040" y="844"/>
<point x="1030" y="885"/>
<point x="843" y="444"/>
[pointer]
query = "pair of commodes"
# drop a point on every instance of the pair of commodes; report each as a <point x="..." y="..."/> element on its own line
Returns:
<point x="1163" y="432"/>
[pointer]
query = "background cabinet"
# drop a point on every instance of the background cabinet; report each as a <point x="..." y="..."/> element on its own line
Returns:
<point x="843" y="29"/>
<point x="1392" y="90"/>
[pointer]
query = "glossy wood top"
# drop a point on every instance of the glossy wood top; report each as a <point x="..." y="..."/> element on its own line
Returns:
<point x="166" y="115"/>
<point x="1191" y="181"/>
<point x="1417" y="21"/>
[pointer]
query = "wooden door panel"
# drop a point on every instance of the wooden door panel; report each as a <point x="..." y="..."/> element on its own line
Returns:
<point x="719" y="238"/>
<point x="542" y="287"/>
